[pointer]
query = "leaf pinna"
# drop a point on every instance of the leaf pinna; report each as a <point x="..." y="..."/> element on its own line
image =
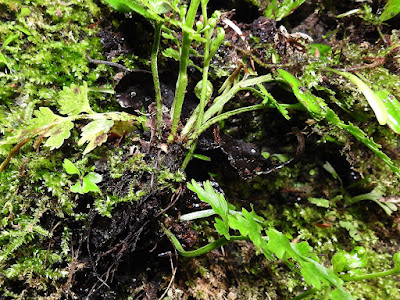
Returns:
<point x="85" y="183"/>
<point x="74" y="102"/>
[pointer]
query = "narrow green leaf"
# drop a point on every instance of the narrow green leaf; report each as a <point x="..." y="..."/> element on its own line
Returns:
<point x="268" y="98"/>
<point x="374" y="101"/>
<point x="311" y="102"/>
<point x="329" y="168"/>
<point x="70" y="168"/>
<point x="3" y="59"/>
<point x="89" y="185"/>
<point x="278" y="9"/>
<point x="77" y="188"/>
<point x="393" y="109"/>
<point x="143" y="7"/>
<point x="216" y="43"/>
<point x="396" y="260"/>
<point x="369" y="142"/>
<point x="265" y="154"/>
<point x="201" y="157"/>
<point x="12" y="37"/>
<point x="391" y="9"/>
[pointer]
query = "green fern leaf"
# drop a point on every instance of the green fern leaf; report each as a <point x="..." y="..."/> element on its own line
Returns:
<point x="74" y="100"/>
<point x="48" y="124"/>
<point x="208" y="195"/>
<point x="44" y="116"/>
<point x="278" y="10"/>
<point x="89" y="182"/>
<point x="217" y="202"/>
<point x="57" y="134"/>
<point x="147" y="8"/>
<point x="95" y="133"/>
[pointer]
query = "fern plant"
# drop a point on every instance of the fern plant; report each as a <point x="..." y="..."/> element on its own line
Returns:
<point x="274" y="244"/>
<point x="172" y="21"/>
<point x="210" y="36"/>
<point x="385" y="106"/>
<point x="167" y="17"/>
<point x="87" y="183"/>
<point x="74" y="104"/>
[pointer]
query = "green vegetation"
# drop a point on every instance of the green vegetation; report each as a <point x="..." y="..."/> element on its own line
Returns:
<point x="273" y="243"/>
<point x="76" y="165"/>
<point x="87" y="183"/>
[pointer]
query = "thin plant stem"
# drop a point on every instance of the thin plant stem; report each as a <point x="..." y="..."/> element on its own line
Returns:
<point x="206" y="66"/>
<point x="224" y="116"/>
<point x="203" y="250"/>
<point x="370" y="276"/>
<point x="189" y="155"/>
<point x="327" y="293"/>
<point x="305" y="294"/>
<point x="182" y="81"/>
<point x="220" y="101"/>
<point x="154" y="71"/>
<point x="190" y="123"/>
<point x="381" y="34"/>
<point x="203" y="95"/>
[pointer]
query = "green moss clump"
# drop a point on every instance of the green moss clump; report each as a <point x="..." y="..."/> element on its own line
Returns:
<point x="44" y="48"/>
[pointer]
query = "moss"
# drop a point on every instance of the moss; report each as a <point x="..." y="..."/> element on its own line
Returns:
<point x="48" y="41"/>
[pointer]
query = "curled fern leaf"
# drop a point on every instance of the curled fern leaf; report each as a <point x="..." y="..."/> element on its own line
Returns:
<point x="95" y="133"/>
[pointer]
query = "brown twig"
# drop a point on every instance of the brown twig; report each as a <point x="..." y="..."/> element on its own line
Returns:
<point x="174" y="198"/>
<point x="259" y="62"/>
<point x="13" y="152"/>
<point x="174" y="269"/>
<point x="113" y="64"/>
